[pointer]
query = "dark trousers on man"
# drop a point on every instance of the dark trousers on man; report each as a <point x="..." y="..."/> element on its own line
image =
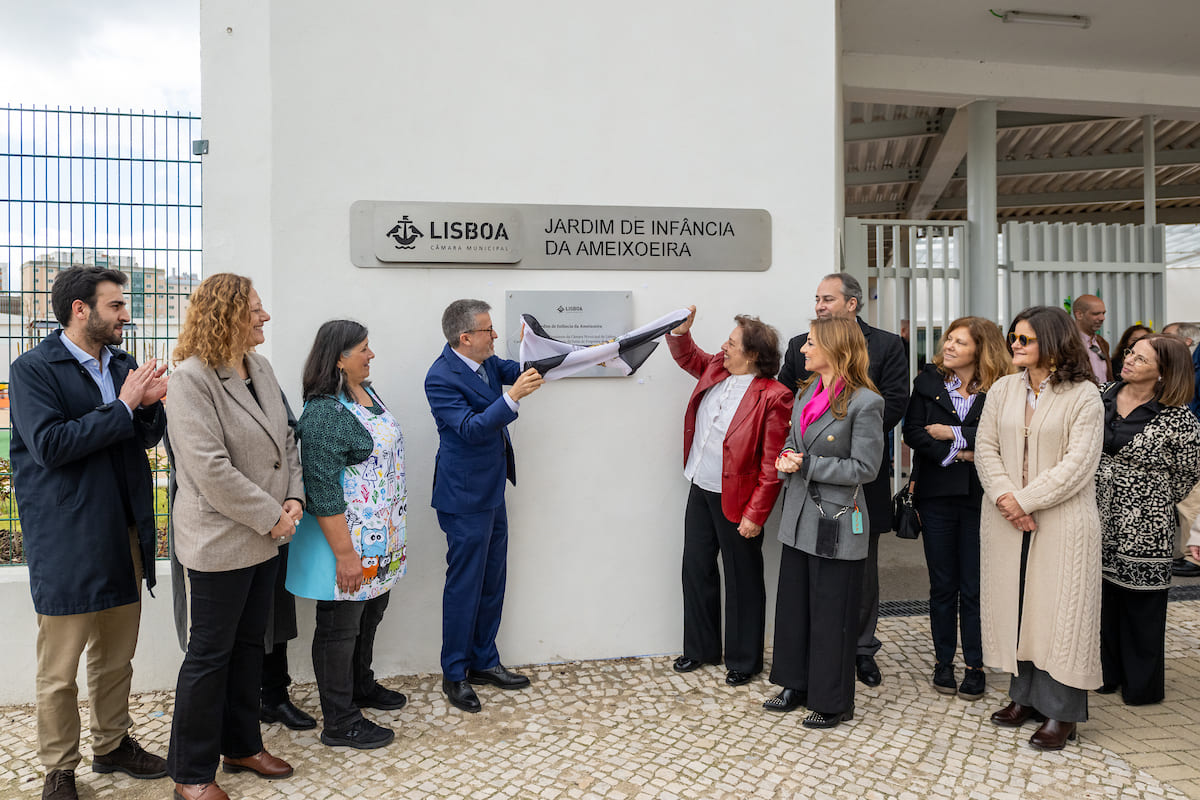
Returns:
<point x="217" y="696"/>
<point x="816" y="627"/>
<point x="707" y="534"/>
<point x="950" y="532"/>
<point x="1133" y="629"/>
<point x="342" y="650"/>
<point x="473" y="598"/>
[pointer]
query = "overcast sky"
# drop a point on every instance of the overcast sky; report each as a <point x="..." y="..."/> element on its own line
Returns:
<point x="114" y="54"/>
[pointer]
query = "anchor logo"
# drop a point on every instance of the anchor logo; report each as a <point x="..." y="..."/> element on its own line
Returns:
<point x="405" y="233"/>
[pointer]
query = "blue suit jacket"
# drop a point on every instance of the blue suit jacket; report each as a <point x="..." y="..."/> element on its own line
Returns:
<point x="474" y="453"/>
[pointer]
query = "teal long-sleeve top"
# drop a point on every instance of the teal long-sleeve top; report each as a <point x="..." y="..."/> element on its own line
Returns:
<point x="331" y="438"/>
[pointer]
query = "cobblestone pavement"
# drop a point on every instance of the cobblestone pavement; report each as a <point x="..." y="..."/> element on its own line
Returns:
<point x="635" y="729"/>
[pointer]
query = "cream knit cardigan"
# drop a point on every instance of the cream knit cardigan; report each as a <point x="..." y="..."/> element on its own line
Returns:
<point x="1060" y="624"/>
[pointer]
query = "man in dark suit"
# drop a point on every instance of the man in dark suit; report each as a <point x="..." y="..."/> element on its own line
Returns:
<point x="83" y="414"/>
<point x="465" y="392"/>
<point x="840" y="295"/>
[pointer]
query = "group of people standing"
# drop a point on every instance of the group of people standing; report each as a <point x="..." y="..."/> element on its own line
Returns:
<point x="265" y="507"/>
<point x="1046" y="493"/>
<point x="1048" y="514"/>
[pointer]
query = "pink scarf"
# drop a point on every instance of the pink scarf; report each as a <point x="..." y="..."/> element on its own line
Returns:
<point x="818" y="404"/>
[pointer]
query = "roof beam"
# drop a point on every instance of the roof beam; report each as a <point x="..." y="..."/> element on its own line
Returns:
<point x="864" y="209"/>
<point x="950" y="151"/>
<point x="879" y="176"/>
<point x="1175" y="192"/>
<point x="1103" y="163"/>
<point x="892" y="129"/>
<point x="1015" y="120"/>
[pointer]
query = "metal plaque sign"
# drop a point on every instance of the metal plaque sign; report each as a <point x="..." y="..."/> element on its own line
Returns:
<point x="574" y="317"/>
<point x="400" y="234"/>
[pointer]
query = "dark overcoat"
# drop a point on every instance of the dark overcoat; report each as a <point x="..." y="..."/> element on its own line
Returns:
<point x="80" y="477"/>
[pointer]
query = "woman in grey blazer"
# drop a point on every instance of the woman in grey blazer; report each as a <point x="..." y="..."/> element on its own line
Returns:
<point x="239" y="498"/>
<point x="835" y="444"/>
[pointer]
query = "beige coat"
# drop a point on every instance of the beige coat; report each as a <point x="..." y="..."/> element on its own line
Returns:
<point x="1060" y="624"/>
<point x="236" y="463"/>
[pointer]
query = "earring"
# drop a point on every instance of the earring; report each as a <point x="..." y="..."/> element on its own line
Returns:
<point x="1053" y="366"/>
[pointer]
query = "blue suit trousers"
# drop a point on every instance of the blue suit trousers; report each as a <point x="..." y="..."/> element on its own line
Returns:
<point x="476" y="571"/>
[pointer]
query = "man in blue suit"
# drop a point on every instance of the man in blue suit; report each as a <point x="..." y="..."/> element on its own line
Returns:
<point x="465" y="392"/>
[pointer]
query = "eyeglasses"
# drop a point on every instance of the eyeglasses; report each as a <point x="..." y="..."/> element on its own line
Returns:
<point x="1022" y="339"/>
<point x="1138" y="360"/>
<point x="489" y="329"/>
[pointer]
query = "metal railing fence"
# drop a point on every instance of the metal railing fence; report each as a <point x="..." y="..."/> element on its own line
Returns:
<point x="106" y="188"/>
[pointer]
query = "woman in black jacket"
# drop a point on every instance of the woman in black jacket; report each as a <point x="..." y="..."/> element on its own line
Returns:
<point x="940" y="424"/>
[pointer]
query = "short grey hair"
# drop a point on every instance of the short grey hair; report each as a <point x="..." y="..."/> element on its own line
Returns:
<point x="459" y="318"/>
<point x="851" y="288"/>
<point x="1185" y="330"/>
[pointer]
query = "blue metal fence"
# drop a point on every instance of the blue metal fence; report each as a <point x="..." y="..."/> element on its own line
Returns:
<point x="110" y="188"/>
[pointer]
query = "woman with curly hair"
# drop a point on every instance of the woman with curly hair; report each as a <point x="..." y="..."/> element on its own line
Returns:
<point x="1036" y="452"/>
<point x="834" y="446"/>
<point x="239" y="498"/>
<point x="1151" y="461"/>
<point x="940" y="427"/>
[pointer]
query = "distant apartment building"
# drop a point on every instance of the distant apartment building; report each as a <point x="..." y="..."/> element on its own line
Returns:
<point x="153" y="295"/>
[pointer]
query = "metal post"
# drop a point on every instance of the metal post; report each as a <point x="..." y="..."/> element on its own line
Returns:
<point x="983" y="294"/>
<point x="1149" y="196"/>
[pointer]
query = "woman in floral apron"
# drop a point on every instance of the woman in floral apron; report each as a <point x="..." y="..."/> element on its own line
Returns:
<point x="349" y="550"/>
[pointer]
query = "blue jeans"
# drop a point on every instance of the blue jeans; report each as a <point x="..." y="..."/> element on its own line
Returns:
<point x="950" y="532"/>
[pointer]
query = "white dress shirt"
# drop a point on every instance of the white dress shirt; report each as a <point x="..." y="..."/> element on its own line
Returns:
<point x="717" y="407"/>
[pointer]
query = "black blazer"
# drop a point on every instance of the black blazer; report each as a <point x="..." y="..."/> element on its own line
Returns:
<point x="930" y="404"/>
<point x="888" y="369"/>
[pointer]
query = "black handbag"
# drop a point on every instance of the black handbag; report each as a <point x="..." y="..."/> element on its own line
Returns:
<point x="906" y="522"/>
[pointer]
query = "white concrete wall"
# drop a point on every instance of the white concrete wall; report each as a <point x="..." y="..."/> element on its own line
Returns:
<point x="310" y="106"/>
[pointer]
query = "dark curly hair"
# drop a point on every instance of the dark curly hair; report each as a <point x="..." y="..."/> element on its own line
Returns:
<point x="1059" y="347"/>
<point x="761" y="343"/>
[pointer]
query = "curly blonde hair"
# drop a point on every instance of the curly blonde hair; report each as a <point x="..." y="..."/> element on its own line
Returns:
<point x="214" y="328"/>
<point x="992" y="357"/>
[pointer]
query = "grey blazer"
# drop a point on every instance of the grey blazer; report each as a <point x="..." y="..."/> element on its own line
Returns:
<point x="839" y="455"/>
<point x="236" y="462"/>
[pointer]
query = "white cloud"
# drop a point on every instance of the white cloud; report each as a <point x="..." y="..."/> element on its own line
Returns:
<point x="118" y="54"/>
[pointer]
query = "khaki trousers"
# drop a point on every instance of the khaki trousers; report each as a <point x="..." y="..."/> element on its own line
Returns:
<point x="110" y="638"/>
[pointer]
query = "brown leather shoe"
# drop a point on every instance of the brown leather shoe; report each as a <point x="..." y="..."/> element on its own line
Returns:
<point x="199" y="791"/>
<point x="1014" y="715"/>
<point x="1053" y="735"/>
<point x="263" y="764"/>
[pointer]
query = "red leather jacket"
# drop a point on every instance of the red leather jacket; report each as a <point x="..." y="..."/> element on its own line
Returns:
<point x="749" y="483"/>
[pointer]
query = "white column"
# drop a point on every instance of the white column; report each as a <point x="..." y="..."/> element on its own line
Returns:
<point x="983" y="294"/>
<point x="1148" y="190"/>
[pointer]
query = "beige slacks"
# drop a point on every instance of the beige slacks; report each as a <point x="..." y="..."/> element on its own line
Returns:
<point x="110" y="638"/>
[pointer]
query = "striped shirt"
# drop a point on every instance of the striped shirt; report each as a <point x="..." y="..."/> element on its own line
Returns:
<point x="961" y="406"/>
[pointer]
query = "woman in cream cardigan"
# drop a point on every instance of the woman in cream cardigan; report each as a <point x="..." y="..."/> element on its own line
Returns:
<point x="1036" y="451"/>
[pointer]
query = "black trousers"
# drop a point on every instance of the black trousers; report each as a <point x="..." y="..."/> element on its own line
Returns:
<point x="1133" y="627"/>
<point x="342" y="649"/>
<point x="868" y="607"/>
<point x="275" y="677"/>
<point x="951" y="540"/>
<point x="707" y="534"/>
<point x="217" y="695"/>
<point x="816" y="628"/>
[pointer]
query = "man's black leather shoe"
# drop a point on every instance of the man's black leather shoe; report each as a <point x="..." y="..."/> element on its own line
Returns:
<point x="685" y="664"/>
<point x="461" y="695"/>
<point x="497" y="676"/>
<point x="287" y="713"/>
<point x="868" y="672"/>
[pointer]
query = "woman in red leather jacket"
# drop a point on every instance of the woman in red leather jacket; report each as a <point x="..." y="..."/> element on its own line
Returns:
<point x="735" y="426"/>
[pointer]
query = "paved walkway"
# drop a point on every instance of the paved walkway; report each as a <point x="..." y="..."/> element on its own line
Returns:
<point x="632" y="729"/>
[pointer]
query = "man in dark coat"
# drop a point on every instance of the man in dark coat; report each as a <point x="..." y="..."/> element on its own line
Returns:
<point x="83" y="414"/>
<point x="840" y="295"/>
